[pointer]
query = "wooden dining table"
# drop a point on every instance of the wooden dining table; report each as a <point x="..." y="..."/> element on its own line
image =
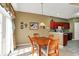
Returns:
<point x="41" y="42"/>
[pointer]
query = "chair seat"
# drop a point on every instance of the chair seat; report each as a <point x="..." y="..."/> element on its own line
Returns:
<point x="44" y="50"/>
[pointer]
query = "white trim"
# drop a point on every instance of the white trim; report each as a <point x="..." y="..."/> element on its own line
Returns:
<point x="3" y="11"/>
<point x="73" y="39"/>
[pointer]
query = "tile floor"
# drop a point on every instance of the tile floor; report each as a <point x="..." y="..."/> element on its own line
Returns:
<point x="72" y="49"/>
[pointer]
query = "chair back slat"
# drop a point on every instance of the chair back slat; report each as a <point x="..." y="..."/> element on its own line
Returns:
<point x="53" y="48"/>
<point x="31" y="41"/>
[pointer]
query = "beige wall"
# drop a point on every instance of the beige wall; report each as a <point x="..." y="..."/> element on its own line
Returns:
<point x="72" y="21"/>
<point x="21" y="35"/>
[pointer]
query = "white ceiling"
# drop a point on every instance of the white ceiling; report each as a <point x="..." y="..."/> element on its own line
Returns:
<point x="63" y="10"/>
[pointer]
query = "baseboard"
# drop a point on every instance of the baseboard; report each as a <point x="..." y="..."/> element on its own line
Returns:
<point x="22" y="44"/>
<point x="73" y="39"/>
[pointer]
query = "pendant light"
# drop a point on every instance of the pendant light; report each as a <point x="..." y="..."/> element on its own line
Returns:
<point x="42" y="24"/>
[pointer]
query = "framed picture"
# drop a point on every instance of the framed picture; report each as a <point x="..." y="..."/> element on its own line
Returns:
<point x="34" y="25"/>
<point x="22" y="25"/>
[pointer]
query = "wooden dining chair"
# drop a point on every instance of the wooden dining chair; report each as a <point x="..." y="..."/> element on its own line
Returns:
<point x="51" y="36"/>
<point x="36" y="35"/>
<point x="53" y="48"/>
<point x="32" y="43"/>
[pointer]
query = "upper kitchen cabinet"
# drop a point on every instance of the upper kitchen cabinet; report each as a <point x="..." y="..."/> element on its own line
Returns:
<point x="66" y="25"/>
<point x="60" y="24"/>
<point x="54" y="25"/>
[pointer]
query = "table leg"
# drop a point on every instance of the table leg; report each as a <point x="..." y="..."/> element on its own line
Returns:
<point x="39" y="50"/>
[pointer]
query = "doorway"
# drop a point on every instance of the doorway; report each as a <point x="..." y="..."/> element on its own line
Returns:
<point x="76" y="31"/>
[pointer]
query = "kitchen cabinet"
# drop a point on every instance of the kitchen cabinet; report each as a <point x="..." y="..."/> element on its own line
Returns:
<point x="66" y="25"/>
<point x="65" y="39"/>
<point x="60" y="24"/>
<point x="70" y="36"/>
<point x="54" y="25"/>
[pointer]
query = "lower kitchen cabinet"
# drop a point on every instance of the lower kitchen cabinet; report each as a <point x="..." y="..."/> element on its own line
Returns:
<point x="65" y="39"/>
<point x="70" y="36"/>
